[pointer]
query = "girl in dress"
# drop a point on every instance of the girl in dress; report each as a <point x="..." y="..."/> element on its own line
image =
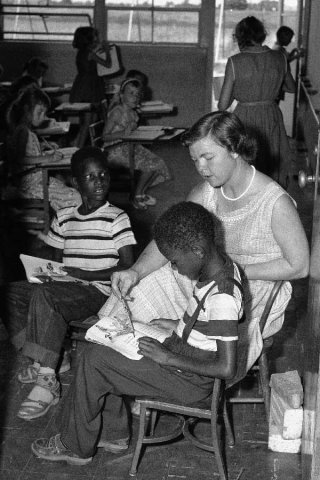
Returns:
<point x="88" y="86"/>
<point x="25" y="151"/>
<point x="123" y="119"/>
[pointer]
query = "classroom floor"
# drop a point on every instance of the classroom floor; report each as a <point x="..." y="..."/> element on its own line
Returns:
<point x="249" y="459"/>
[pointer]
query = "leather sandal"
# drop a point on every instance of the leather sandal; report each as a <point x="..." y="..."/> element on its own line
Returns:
<point x="29" y="374"/>
<point x="31" y="409"/>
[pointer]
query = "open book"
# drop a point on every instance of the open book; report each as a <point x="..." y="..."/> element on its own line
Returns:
<point x="40" y="270"/>
<point x="118" y="334"/>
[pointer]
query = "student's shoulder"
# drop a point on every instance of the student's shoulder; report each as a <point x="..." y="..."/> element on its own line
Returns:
<point x="66" y="213"/>
<point x="112" y="211"/>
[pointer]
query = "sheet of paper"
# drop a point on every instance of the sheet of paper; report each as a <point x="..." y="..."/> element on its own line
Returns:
<point x="73" y="106"/>
<point x="40" y="270"/>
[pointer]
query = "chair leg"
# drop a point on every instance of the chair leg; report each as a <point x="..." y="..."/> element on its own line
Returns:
<point x="142" y="427"/>
<point x="264" y="381"/>
<point x="215" y="437"/>
<point x="227" y="424"/>
<point x="154" y="417"/>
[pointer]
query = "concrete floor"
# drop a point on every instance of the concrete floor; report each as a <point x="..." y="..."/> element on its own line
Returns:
<point x="249" y="459"/>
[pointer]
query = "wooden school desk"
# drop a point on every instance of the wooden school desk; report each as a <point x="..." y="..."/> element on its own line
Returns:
<point x="147" y="135"/>
<point x="52" y="165"/>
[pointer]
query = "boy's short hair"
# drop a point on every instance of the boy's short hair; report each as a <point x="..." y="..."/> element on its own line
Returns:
<point x="182" y="226"/>
<point x="80" y="158"/>
<point x="284" y="35"/>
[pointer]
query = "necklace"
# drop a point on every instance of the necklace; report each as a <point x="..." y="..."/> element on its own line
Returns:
<point x="243" y="193"/>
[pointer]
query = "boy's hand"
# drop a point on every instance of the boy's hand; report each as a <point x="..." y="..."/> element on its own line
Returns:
<point x="151" y="348"/>
<point x="76" y="272"/>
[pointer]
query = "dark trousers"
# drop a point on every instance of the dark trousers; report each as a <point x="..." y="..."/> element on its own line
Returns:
<point x="37" y="315"/>
<point x="96" y="397"/>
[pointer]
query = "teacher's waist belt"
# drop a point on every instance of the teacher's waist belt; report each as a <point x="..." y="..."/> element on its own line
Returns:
<point x="253" y="104"/>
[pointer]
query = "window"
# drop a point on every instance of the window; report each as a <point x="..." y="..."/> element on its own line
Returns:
<point x="153" y="21"/>
<point x="44" y="19"/>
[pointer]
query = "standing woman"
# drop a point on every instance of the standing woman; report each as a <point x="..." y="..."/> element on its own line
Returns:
<point x="87" y="86"/>
<point x="254" y="77"/>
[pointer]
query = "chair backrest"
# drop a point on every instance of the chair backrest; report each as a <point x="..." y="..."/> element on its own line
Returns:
<point x="266" y="311"/>
<point x="95" y="132"/>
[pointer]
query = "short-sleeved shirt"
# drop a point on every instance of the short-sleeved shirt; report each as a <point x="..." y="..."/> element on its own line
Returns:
<point x="91" y="242"/>
<point x="221" y="312"/>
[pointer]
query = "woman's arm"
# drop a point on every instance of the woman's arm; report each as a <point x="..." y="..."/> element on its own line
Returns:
<point x="226" y="97"/>
<point x="125" y="262"/>
<point x="221" y="365"/>
<point x="150" y="260"/>
<point x="290" y="236"/>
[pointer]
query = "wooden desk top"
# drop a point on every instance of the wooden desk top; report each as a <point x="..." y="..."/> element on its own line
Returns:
<point x="74" y="107"/>
<point x="151" y="133"/>
<point x="54" y="128"/>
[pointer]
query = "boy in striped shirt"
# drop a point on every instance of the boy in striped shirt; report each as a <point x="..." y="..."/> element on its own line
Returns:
<point x="93" y="240"/>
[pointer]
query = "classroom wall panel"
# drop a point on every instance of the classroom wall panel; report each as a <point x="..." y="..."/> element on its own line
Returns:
<point x="176" y="74"/>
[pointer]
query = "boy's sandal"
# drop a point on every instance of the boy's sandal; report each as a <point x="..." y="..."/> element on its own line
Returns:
<point x="31" y="409"/>
<point x="147" y="199"/>
<point x="138" y="204"/>
<point x="28" y="374"/>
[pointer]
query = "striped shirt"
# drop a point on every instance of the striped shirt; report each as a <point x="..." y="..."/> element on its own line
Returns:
<point x="91" y="242"/>
<point x="220" y="315"/>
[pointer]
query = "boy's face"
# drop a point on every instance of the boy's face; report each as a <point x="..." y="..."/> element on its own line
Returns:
<point x="187" y="263"/>
<point x="93" y="183"/>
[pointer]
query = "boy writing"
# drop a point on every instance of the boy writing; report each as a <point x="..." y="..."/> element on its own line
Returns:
<point x="202" y="346"/>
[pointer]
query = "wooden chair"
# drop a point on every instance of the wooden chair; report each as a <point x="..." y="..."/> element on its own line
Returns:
<point x="187" y="419"/>
<point x="261" y="366"/>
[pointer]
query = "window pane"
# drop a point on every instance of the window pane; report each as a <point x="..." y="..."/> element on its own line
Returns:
<point x="129" y="26"/>
<point x="176" y="27"/>
<point x="128" y="3"/>
<point x="177" y="3"/>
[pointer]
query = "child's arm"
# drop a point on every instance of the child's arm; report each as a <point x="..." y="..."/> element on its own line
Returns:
<point x="125" y="261"/>
<point x="226" y="97"/>
<point x="45" y="157"/>
<point x="114" y="128"/>
<point x="220" y="364"/>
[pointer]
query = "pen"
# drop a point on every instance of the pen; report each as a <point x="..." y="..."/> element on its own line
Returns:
<point x="127" y="309"/>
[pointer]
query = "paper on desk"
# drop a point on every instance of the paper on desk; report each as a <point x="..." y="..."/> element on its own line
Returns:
<point x="152" y="103"/>
<point x="54" y="128"/>
<point x="143" y="135"/>
<point x="73" y="106"/>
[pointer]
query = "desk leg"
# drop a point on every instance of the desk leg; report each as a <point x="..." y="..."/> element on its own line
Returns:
<point x="46" y="205"/>
<point x="131" y="168"/>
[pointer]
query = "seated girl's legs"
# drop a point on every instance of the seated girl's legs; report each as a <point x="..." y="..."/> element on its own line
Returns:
<point x="14" y="310"/>
<point x="103" y="371"/>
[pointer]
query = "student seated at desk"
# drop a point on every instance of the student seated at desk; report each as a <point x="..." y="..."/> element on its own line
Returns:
<point x="123" y="119"/>
<point x="199" y="347"/>
<point x="94" y="240"/>
<point x="25" y="151"/>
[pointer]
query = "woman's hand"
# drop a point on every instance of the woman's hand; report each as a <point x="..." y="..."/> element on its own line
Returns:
<point x="122" y="282"/>
<point x="151" y="348"/>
